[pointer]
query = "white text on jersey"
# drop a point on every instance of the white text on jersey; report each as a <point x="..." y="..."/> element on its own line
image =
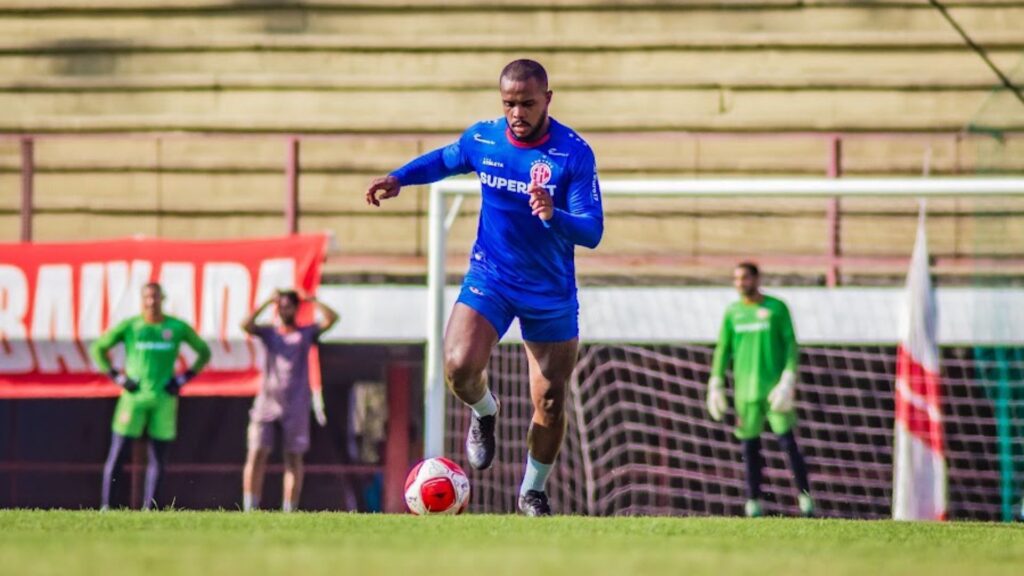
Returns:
<point x="501" y="183"/>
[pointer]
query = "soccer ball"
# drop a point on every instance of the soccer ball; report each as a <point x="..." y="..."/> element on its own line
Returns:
<point x="436" y="486"/>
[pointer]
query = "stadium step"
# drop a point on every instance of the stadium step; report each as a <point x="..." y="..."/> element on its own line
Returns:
<point x="438" y="110"/>
<point x="620" y="155"/>
<point x="337" y="69"/>
<point x="430" y="25"/>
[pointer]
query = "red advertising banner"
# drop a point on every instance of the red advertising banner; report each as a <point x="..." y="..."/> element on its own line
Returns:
<point x="56" y="299"/>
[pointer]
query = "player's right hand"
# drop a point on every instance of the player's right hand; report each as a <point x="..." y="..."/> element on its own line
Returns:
<point x="318" y="408"/>
<point x="123" y="381"/>
<point x="387" y="187"/>
<point x="716" y="399"/>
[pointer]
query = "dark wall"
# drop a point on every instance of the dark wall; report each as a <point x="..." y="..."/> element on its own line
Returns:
<point x="52" y="451"/>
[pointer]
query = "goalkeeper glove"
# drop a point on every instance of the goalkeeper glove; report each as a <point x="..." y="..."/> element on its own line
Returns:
<point x="782" y="396"/>
<point x="716" y="398"/>
<point x="318" y="408"/>
<point x="123" y="381"/>
<point x="173" y="386"/>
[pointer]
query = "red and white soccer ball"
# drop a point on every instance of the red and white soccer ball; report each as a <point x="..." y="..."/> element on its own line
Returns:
<point x="436" y="486"/>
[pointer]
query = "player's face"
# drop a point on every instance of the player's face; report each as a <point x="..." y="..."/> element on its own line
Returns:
<point x="286" y="310"/>
<point x="152" y="300"/>
<point x="745" y="282"/>
<point x="526" y="106"/>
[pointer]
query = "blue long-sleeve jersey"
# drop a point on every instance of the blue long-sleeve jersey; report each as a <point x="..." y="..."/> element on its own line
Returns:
<point x="513" y="246"/>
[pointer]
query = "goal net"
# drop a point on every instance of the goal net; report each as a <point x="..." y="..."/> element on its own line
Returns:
<point x="639" y="440"/>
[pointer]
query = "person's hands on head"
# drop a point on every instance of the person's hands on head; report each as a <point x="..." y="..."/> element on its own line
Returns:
<point x="541" y="202"/>
<point x="382" y="189"/>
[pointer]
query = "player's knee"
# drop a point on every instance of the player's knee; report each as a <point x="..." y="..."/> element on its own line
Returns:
<point x="293" y="461"/>
<point x="787" y="441"/>
<point x="550" y="405"/>
<point x="258" y="456"/>
<point x="461" y="369"/>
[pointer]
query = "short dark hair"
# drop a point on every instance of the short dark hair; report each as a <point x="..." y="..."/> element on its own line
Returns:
<point x="749" y="267"/>
<point x="153" y="286"/>
<point x="290" y="295"/>
<point x="523" y="69"/>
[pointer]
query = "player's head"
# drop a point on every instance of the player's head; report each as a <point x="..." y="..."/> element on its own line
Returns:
<point x="287" y="306"/>
<point x="525" y="98"/>
<point x="746" y="277"/>
<point x="152" y="299"/>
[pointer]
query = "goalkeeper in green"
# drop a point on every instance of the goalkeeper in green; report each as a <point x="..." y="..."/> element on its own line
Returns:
<point x="149" y="386"/>
<point x="757" y="335"/>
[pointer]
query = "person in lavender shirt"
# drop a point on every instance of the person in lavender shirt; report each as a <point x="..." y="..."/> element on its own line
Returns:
<point x="285" y="400"/>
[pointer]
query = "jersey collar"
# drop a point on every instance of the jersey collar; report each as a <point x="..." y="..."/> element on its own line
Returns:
<point x="520" y="144"/>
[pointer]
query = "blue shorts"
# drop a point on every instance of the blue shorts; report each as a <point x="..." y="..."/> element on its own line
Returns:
<point x="551" y="321"/>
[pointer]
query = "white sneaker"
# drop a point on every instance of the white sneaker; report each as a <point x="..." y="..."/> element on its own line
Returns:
<point x="806" y="504"/>
<point x="753" y="509"/>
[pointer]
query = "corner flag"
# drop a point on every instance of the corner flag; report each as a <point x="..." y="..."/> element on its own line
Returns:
<point x="919" y="459"/>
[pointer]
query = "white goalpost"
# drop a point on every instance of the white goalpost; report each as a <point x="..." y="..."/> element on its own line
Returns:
<point x="670" y="359"/>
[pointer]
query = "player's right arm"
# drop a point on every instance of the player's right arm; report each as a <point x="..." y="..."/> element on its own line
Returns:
<point x="431" y="167"/>
<point x="101" y="347"/>
<point x="100" y="351"/>
<point x="249" y="325"/>
<point x="716" y="384"/>
<point x="723" y="351"/>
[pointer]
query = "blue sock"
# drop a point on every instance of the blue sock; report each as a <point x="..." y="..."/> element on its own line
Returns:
<point x="536" y="476"/>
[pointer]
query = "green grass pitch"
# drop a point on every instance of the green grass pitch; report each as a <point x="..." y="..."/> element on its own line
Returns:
<point x="228" y="543"/>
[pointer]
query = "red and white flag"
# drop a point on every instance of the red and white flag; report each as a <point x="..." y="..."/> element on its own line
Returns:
<point x="919" y="457"/>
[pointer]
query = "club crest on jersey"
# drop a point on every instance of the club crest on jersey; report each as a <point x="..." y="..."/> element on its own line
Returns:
<point x="540" y="172"/>
<point x="763" y="313"/>
<point x="167" y="334"/>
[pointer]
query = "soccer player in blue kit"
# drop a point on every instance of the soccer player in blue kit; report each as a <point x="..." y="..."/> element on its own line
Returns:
<point x="540" y="199"/>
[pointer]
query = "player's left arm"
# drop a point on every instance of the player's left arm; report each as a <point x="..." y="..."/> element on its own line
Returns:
<point x="582" y="222"/>
<point x="201" y="348"/>
<point x="783" y="395"/>
<point x="328" y="316"/>
<point x="789" y="340"/>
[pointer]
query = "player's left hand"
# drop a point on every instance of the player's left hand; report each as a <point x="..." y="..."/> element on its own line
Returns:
<point x="173" y="386"/>
<point x="541" y="202"/>
<point x="781" y="397"/>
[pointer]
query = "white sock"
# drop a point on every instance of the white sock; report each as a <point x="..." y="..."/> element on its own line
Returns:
<point x="487" y="406"/>
<point x="286" y="506"/>
<point x="536" y="476"/>
<point x="249" y="502"/>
